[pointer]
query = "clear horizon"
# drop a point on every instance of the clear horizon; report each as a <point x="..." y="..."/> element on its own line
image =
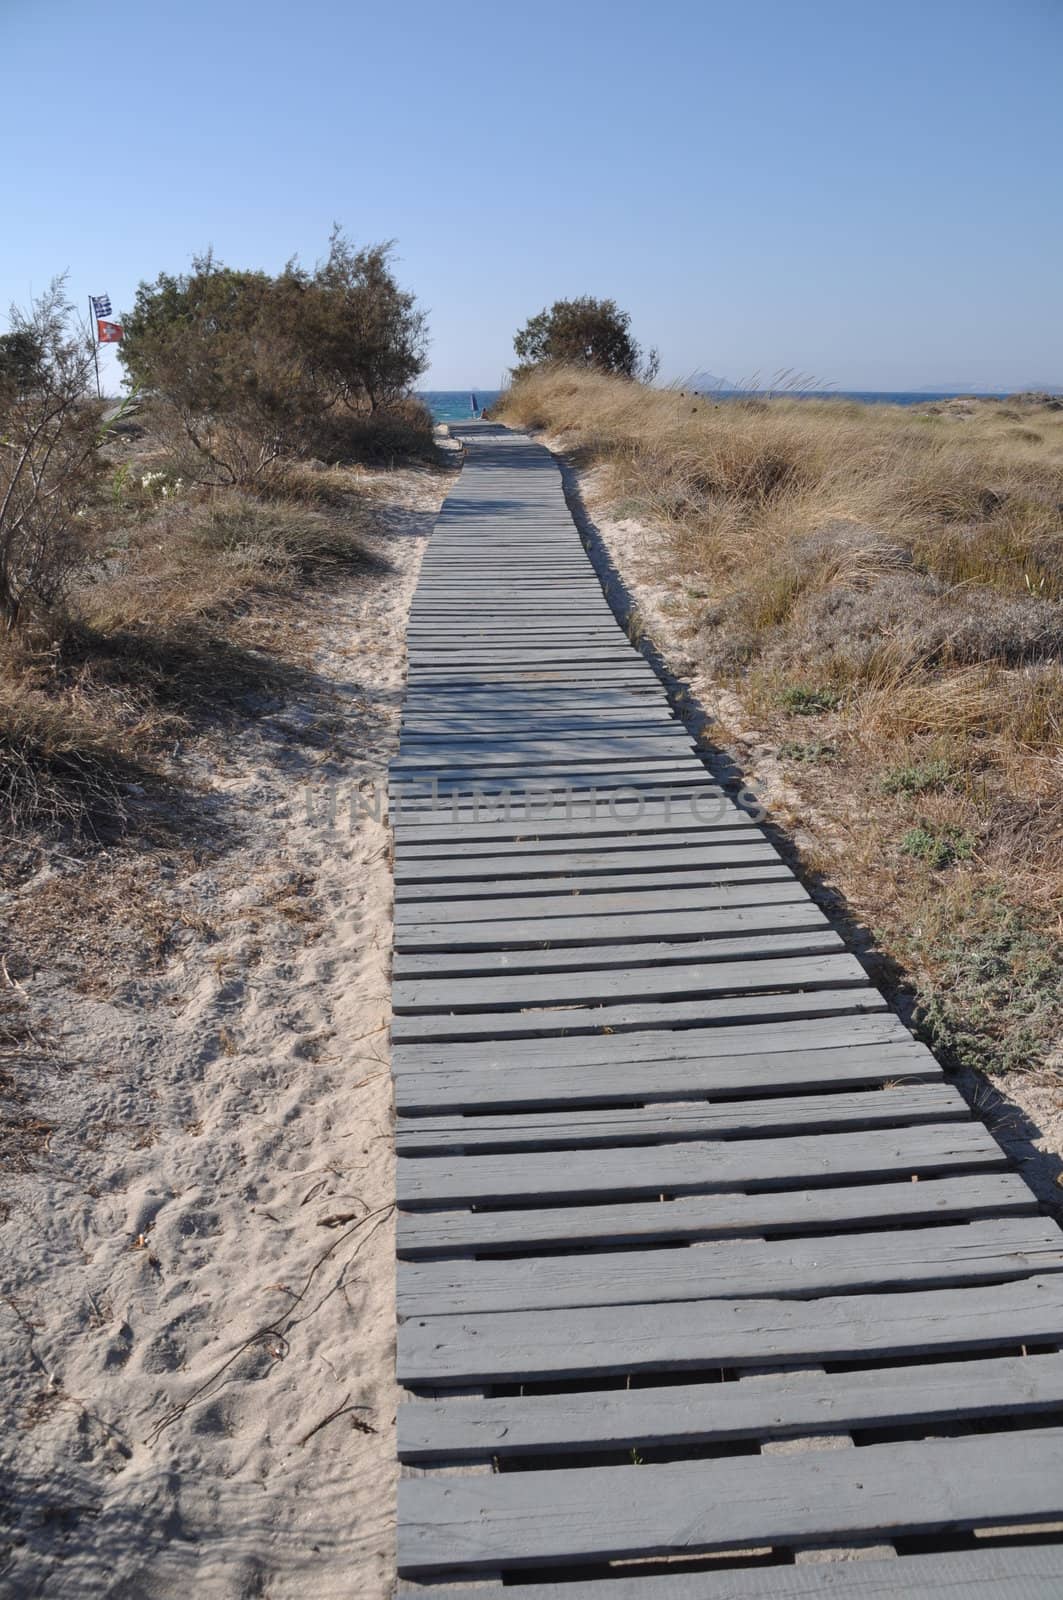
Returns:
<point x="868" y="196"/>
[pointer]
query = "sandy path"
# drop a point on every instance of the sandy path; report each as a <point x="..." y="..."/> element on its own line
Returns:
<point x="188" y="1288"/>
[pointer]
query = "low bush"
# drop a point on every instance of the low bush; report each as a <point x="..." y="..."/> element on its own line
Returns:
<point x="803" y="702"/>
<point x="937" y="846"/>
<point x="916" y="777"/>
<point x="67" y="752"/>
<point x="244" y="369"/>
<point x="189" y="614"/>
<point x="402" y="430"/>
<point x="49" y="455"/>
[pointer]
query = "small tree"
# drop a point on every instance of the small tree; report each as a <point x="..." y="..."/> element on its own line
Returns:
<point x="247" y="367"/>
<point x="20" y="358"/>
<point x="585" y="333"/>
<point x="213" y="350"/>
<point x="364" y="336"/>
<point x="49" y="458"/>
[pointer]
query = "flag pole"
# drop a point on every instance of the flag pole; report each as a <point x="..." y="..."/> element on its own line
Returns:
<point x="95" y="349"/>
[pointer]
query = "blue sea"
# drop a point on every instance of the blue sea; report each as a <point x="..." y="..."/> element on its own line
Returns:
<point x="456" y="405"/>
<point x="892" y="397"/>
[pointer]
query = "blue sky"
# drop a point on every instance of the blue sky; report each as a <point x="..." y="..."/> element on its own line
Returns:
<point x="866" y="190"/>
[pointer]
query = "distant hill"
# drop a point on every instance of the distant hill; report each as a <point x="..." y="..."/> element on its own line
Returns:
<point x="704" y="382"/>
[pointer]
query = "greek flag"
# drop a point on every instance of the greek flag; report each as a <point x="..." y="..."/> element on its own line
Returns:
<point x="101" y="304"/>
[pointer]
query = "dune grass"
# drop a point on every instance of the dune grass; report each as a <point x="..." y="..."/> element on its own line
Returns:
<point x="189" y="606"/>
<point x="880" y="590"/>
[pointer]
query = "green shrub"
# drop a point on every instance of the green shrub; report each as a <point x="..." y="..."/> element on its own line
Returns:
<point x="993" y="1002"/>
<point x="583" y="333"/>
<point x="815" y="750"/>
<point x="245" y="368"/>
<point x="917" y="778"/>
<point x="803" y="702"/>
<point x="939" y="847"/>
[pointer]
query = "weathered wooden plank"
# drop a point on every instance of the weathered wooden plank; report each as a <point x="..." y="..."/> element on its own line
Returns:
<point x="443" y="868"/>
<point x="827" y="1496"/>
<point x="626" y="784"/>
<point x="1017" y="1572"/>
<point x="553" y="558"/>
<point x="751" y="1007"/>
<point x="561" y="601"/>
<point x="613" y="724"/>
<point x="587" y="692"/>
<point x="519" y="570"/>
<point x="612" y="853"/>
<point x="518" y="702"/>
<point x="552" y="935"/>
<point x="562" y="779"/>
<point x="581" y="695"/>
<point x="438" y="611"/>
<point x="620" y="727"/>
<point x="576" y="818"/>
<point x="444" y="716"/>
<point x="421" y="1088"/>
<point x="540" y="652"/>
<point x="430" y="1079"/>
<point x="476" y="677"/>
<point x="770" y="1407"/>
<point x="757" y="1007"/>
<point x="625" y="788"/>
<point x="735" y="1059"/>
<point x="508" y="626"/>
<point x="544" y="649"/>
<point x="602" y="897"/>
<point x="523" y="816"/>
<point x="513" y="581"/>
<point x="615" y="673"/>
<point x="564" y="568"/>
<point x="516" y="749"/>
<point x="534" y="1346"/>
<point x="573" y="1129"/>
<point x="423" y="1235"/>
<point x="624" y="794"/>
<point x="434" y="614"/>
<point x="816" y="941"/>
<point x="695" y="1167"/>
<point x="635" y="669"/>
<point x="515" y="992"/>
<point x="973" y="1252"/>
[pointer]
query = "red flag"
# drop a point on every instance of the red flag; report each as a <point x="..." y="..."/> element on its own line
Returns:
<point x="108" y="332"/>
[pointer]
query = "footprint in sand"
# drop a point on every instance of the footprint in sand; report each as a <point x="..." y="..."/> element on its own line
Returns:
<point x="119" y="1349"/>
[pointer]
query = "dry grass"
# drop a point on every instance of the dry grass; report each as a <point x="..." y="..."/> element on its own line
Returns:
<point x="67" y="753"/>
<point x="189" y="608"/>
<point x="882" y="589"/>
<point x="204" y="555"/>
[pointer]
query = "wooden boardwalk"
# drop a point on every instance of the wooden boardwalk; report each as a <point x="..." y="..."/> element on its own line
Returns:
<point x="706" y="1273"/>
